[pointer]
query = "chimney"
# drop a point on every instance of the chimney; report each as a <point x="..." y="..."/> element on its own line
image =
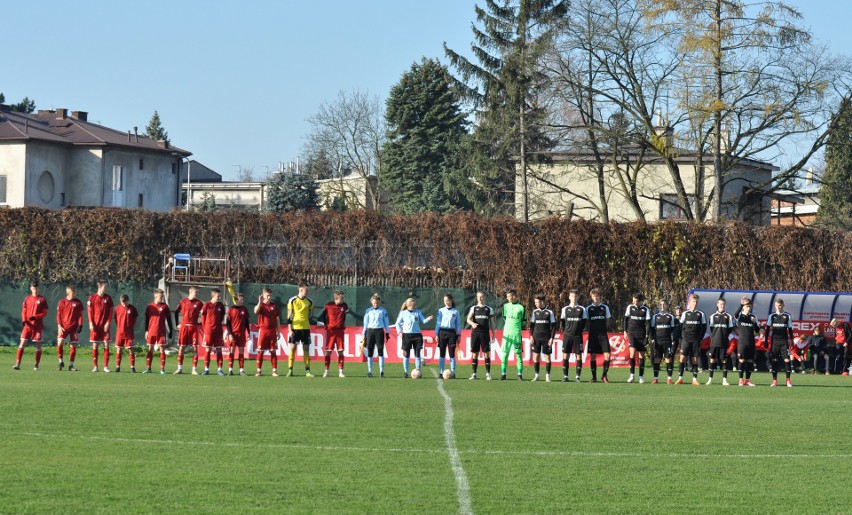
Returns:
<point x="44" y="111"/>
<point x="662" y="129"/>
<point x="61" y="113"/>
<point x="128" y="136"/>
<point x="83" y="116"/>
<point x="162" y="143"/>
<point x="136" y="132"/>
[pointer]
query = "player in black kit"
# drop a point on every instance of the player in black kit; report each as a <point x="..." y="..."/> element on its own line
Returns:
<point x="573" y="320"/>
<point x="598" y="313"/>
<point x="637" y="327"/>
<point x="479" y="318"/>
<point x="747" y="328"/>
<point x="721" y="325"/>
<point x="663" y="326"/>
<point x="780" y="338"/>
<point x="693" y="325"/>
<point x="543" y="328"/>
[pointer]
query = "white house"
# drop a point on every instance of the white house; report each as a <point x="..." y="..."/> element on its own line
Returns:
<point x="56" y="158"/>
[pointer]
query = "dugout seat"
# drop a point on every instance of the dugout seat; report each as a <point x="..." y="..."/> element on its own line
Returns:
<point x="181" y="263"/>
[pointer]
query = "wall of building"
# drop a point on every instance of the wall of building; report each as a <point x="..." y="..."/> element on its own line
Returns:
<point x="155" y="181"/>
<point x="13" y="158"/>
<point x="653" y="180"/>
<point x="236" y="195"/>
<point x="46" y="175"/>
<point x="84" y="170"/>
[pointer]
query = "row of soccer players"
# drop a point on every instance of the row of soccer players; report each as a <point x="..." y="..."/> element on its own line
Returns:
<point x="198" y="323"/>
<point x="660" y="331"/>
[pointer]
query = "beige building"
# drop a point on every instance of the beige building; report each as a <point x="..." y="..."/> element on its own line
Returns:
<point x="351" y="191"/>
<point x="637" y="186"/>
<point x="56" y="158"/>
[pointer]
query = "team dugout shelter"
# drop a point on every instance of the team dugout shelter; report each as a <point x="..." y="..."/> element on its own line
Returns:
<point x="809" y="309"/>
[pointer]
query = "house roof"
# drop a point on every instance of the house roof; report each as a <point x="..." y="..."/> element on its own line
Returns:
<point x="198" y="173"/>
<point x="73" y="128"/>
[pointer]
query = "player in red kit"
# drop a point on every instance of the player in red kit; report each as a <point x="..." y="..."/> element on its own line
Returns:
<point x="100" y="315"/>
<point x="334" y="317"/>
<point x="212" y="317"/>
<point x="189" y="309"/>
<point x="158" y="317"/>
<point x="69" y="321"/>
<point x="32" y="317"/>
<point x="268" y="318"/>
<point x="126" y="316"/>
<point x="238" y="333"/>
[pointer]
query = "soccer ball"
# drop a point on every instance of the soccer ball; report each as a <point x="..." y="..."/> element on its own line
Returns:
<point x="448" y="374"/>
<point x="415" y="374"/>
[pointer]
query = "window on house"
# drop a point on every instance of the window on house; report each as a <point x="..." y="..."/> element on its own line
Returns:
<point x="117" y="178"/>
<point x="2" y="189"/>
<point x="62" y="199"/>
<point x="174" y="168"/>
<point x="141" y="164"/>
<point x="141" y="201"/>
<point x="669" y="208"/>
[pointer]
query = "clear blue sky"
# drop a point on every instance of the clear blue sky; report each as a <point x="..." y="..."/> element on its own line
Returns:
<point x="235" y="81"/>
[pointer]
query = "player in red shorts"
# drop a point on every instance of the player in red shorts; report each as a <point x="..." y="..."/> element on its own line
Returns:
<point x="126" y="316"/>
<point x="32" y="317"/>
<point x="186" y="320"/>
<point x="334" y="317"/>
<point x="158" y="316"/>
<point x="100" y="315"/>
<point x="268" y="318"/>
<point x="69" y="321"/>
<point x="238" y="333"/>
<point x="212" y="317"/>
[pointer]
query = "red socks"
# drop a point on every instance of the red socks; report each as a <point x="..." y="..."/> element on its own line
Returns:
<point x="274" y="360"/>
<point x="340" y="360"/>
<point x="162" y="359"/>
<point x="95" y="357"/>
<point x="73" y="353"/>
<point x="219" y="358"/>
<point x="38" y="357"/>
<point x="106" y="356"/>
<point x="60" y="352"/>
<point x="195" y="356"/>
<point x="20" y="354"/>
<point x="149" y="358"/>
<point x="327" y="359"/>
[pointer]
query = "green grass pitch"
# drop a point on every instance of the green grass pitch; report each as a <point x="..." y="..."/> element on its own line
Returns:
<point x="82" y="442"/>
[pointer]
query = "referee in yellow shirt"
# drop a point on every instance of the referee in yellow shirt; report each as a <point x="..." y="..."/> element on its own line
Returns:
<point x="299" y="310"/>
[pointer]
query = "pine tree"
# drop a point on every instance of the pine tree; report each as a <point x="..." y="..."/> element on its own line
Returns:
<point x="425" y="125"/>
<point x="836" y="192"/>
<point x="208" y="202"/>
<point x="291" y="192"/>
<point x="155" y="129"/>
<point x="505" y="86"/>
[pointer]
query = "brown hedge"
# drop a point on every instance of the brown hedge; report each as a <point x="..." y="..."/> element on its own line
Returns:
<point x="427" y="250"/>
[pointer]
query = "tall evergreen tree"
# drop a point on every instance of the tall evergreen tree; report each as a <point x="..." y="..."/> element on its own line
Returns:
<point x="505" y="85"/>
<point x="155" y="129"/>
<point x="836" y="192"/>
<point x="422" y="153"/>
<point x="291" y="192"/>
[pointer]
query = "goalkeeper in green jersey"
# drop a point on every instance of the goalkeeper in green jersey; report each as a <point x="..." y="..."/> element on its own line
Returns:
<point x="514" y="315"/>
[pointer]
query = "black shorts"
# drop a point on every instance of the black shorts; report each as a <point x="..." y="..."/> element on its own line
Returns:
<point x="447" y="338"/>
<point x="718" y="354"/>
<point x="412" y="341"/>
<point x="746" y="351"/>
<point x="640" y="344"/>
<point x="375" y="340"/>
<point x="302" y="336"/>
<point x="541" y="346"/>
<point x="690" y="348"/>
<point x="572" y="345"/>
<point x="663" y="349"/>
<point x="598" y="343"/>
<point x="480" y="341"/>
<point x="779" y="352"/>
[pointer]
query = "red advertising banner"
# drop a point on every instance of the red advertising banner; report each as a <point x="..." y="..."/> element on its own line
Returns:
<point x="353" y="350"/>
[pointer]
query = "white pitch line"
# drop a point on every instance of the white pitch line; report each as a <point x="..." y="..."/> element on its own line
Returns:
<point x="415" y="450"/>
<point x="462" y="487"/>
